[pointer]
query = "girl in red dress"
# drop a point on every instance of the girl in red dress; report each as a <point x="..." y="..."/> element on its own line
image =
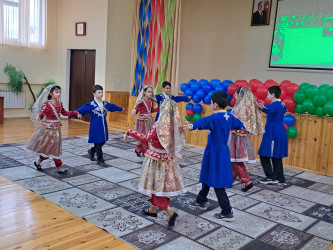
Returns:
<point x="46" y="140"/>
<point x="161" y="176"/>
<point x="240" y="144"/>
<point x="144" y="121"/>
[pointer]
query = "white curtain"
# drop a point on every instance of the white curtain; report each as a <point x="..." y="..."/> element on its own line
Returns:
<point x="22" y="23"/>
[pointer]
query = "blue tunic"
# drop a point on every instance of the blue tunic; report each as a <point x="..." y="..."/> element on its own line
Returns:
<point x="98" y="131"/>
<point x="160" y="98"/>
<point x="216" y="164"/>
<point x="275" y="141"/>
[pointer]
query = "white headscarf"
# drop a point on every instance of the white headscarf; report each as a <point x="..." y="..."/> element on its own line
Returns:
<point x="42" y="99"/>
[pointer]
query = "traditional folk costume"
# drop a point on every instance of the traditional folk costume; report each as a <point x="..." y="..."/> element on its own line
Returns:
<point x="216" y="169"/>
<point x="160" y="98"/>
<point x="161" y="176"/>
<point x="240" y="144"/>
<point x="274" y="144"/>
<point x="98" y="130"/>
<point x="145" y="120"/>
<point x="46" y="140"/>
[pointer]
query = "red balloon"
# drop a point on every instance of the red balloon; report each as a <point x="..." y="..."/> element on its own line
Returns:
<point x="241" y="83"/>
<point x="253" y="81"/>
<point x="233" y="101"/>
<point x="285" y="83"/>
<point x="290" y="104"/>
<point x="232" y="89"/>
<point x="286" y="126"/>
<point x="283" y="93"/>
<point x="271" y="82"/>
<point x="190" y="112"/>
<point x="267" y="102"/>
<point x="292" y="88"/>
<point x="256" y="86"/>
<point x="262" y="92"/>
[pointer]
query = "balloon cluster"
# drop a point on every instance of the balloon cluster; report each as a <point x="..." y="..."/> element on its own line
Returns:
<point x="288" y="121"/>
<point x="193" y="112"/>
<point x="202" y="90"/>
<point x="260" y="91"/>
<point x="314" y="100"/>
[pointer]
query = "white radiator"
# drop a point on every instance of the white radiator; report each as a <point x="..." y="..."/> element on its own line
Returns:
<point x="13" y="100"/>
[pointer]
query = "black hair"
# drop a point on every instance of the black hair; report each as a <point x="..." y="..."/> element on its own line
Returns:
<point x="166" y="83"/>
<point x="221" y="98"/>
<point x="53" y="88"/>
<point x="260" y="3"/>
<point x="96" y="87"/>
<point x="276" y="90"/>
<point x="239" y="89"/>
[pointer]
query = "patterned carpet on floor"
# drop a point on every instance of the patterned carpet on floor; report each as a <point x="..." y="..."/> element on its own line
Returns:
<point x="296" y="216"/>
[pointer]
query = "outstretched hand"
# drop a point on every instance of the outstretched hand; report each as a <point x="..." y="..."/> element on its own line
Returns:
<point x="133" y="112"/>
<point x="260" y="104"/>
<point x="79" y="116"/>
<point x="125" y="138"/>
<point x="186" y="125"/>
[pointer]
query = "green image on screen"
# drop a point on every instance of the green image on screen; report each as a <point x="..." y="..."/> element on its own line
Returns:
<point x="303" y="41"/>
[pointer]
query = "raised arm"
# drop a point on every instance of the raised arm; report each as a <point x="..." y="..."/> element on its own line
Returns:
<point x="203" y="123"/>
<point x="181" y="98"/>
<point x="68" y="113"/>
<point x="86" y="108"/>
<point x="112" y="107"/>
<point x="141" y="136"/>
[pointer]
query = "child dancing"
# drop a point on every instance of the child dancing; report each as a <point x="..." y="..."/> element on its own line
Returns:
<point x="161" y="176"/>
<point x="144" y="121"/>
<point x="216" y="166"/>
<point x="46" y="140"/>
<point x="98" y="130"/>
<point x="240" y="144"/>
<point x="274" y="144"/>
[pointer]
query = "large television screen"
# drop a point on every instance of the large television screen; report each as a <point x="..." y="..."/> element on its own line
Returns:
<point x="303" y="35"/>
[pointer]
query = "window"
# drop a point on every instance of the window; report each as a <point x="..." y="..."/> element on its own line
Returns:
<point x="22" y="23"/>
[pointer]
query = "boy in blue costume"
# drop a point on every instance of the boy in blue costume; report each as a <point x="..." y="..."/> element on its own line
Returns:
<point x="166" y="88"/>
<point x="216" y="168"/>
<point x="274" y="144"/>
<point x="98" y="131"/>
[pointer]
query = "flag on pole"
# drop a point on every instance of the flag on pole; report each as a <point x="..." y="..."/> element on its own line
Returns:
<point x="267" y="11"/>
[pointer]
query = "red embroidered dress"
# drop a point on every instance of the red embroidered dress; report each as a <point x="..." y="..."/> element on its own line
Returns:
<point x="144" y="122"/>
<point x="46" y="140"/>
<point x="241" y="147"/>
<point x="161" y="175"/>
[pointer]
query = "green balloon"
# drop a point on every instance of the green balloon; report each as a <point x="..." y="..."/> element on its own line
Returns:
<point x="319" y="99"/>
<point x="188" y="118"/>
<point x="328" y="108"/>
<point x="196" y="117"/>
<point x="323" y="88"/>
<point x="329" y="93"/>
<point x="320" y="112"/>
<point x="308" y="106"/>
<point x="292" y="132"/>
<point x="299" y="109"/>
<point x="299" y="96"/>
<point x="311" y="91"/>
<point x="303" y="86"/>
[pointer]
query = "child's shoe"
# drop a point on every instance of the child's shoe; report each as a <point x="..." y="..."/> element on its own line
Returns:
<point x="138" y="154"/>
<point x="38" y="166"/>
<point x="268" y="181"/>
<point x="227" y="217"/>
<point x="101" y="163"/>
<point x="282" y="184"/>
<point x="201" y="206"/>
<point x="146" y="212"/>
<point x="63" y="171"/>
<point x="172" y="220"/>
<point x="91" y="155"/>
<point x="248" y="187"/>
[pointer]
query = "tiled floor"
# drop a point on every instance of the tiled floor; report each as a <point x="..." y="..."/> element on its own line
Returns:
<point x="297" y="216"/>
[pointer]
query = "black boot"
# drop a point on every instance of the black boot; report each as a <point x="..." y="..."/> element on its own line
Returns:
<point x="101" y="163"/>
<point x="172" y="221"/>
<point x="91" y="155"/>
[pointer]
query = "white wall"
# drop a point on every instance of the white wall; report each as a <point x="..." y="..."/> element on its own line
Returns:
<point x="217" y="41"/>
<point x="38" y="65"/>
<point x="119" y="45"/>
<point x="94" y="13"/>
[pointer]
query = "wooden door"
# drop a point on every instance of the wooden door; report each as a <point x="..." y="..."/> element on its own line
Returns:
<point x="82" y="78"/>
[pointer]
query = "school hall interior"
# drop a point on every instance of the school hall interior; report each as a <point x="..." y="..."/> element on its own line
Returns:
<point x="79" y="43"/>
